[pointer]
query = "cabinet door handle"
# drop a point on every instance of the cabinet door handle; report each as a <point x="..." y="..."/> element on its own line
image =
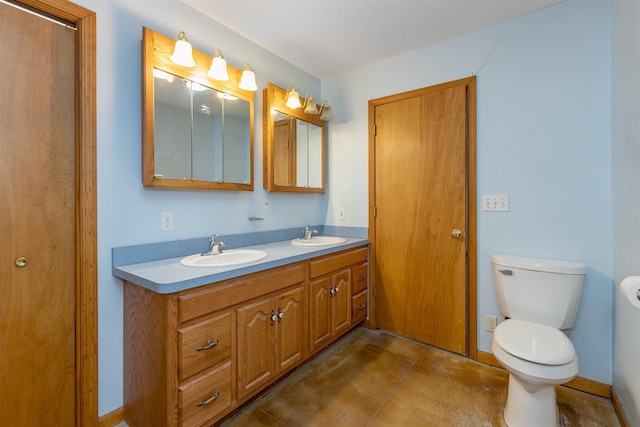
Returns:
<point x="273" y="317"/>
<point x="210" y="344"/>
<point x="360" y="278"/>
<point x="209" y="400"/>
<point x="361" y="306"/>
<point x="280" y="314"/>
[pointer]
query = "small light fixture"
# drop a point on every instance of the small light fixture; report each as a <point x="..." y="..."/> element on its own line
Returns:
<point x="325" y="112"/>
<point x="182" y="54"/>
<point x="248" y="79"/>
<point x="159" y="74"/>
<point x="293" y="99"/>
<point x="310" y="104"/>
<point x="218" y="68"/>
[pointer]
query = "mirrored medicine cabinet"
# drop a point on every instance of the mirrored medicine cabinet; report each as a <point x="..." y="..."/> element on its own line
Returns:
<point x="197" y="132"/>
<point x="293" y="144"/>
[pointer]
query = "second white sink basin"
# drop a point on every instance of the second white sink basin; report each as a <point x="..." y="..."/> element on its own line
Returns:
<point x="319" y="241"/>
<point x="224" y="259"/>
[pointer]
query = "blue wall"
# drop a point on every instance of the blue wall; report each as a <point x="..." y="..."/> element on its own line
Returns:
<point x="543" y="138"/>
<point x="128" y="214"/>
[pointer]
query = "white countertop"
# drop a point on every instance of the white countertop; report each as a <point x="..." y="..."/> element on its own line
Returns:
<point x="168" y="275"/>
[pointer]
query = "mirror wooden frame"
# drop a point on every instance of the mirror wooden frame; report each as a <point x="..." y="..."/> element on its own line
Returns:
<point x="274" y="98"/>
<point x="156" y="52"/>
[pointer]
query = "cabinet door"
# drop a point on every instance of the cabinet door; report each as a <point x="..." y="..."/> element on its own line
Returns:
<point x="256" y="363"/>
<point x="341" y="301"/>
<point x="290" y="329"/>
<point x="320" y="313"/>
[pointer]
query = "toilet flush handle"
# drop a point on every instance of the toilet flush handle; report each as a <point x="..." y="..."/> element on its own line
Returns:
<point x="506" y="272"/>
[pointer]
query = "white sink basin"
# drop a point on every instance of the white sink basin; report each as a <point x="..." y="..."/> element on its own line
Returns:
<point x="224" y="259"/>
<point x="319" y="241"/>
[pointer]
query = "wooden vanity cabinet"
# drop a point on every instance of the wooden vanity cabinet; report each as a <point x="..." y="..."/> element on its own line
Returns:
<point x="193" y="357"/>
<point x="359" y="292"/>
<point x="270" y="339"/>
<point x="330" y="295"/>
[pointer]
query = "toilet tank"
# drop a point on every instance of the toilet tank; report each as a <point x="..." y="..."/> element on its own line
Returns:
<point x="538" y="290"/>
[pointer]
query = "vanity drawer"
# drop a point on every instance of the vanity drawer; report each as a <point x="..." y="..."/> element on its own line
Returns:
<point x="208" y="395"/>
<point x="204" y="344"/>
<point x="325" y="265"/>
<point x="359" y="279"/>
<point x="358" y="307"/>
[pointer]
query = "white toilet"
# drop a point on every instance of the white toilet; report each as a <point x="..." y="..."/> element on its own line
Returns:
<point x="538" y="297"/>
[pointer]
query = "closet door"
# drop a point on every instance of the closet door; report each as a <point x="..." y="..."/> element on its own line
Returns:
<point x="37" y="221"/>
<point x="420" y="224"/>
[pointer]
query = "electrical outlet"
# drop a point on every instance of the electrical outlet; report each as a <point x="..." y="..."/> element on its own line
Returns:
<point x="167" y="221"/>
<point x="341" y="214"/>
<point x="490" y="322"/>
<point x="495" y="203"/>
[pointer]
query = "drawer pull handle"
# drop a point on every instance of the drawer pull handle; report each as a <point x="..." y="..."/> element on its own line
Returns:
<point x="209" y="345"/>
<point x="361" y="306"/>
<point x="209" y="400"/>
<point x="360" y="278"/>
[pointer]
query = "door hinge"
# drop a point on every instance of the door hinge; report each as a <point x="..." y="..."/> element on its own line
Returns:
<point x="375" y="130"/>
<point x="375" y="212"/>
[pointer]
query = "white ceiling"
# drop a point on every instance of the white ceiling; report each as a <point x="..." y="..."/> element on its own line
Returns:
<point x="328" y="37"/>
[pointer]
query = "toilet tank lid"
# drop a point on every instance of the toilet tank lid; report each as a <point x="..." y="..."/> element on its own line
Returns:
<point x="539" y="264"/>
<point x="534" y="342"/>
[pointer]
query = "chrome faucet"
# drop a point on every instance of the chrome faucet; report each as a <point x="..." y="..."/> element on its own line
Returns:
<point x="308" y="232"/>
<point x="215" y="247"/>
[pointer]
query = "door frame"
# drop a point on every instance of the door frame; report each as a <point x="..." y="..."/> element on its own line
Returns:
<point x="471" y="234"/>
<point x="86" y="307"/>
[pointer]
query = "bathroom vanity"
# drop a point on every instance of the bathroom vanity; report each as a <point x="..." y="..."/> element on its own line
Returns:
<point x="193" y="356"/>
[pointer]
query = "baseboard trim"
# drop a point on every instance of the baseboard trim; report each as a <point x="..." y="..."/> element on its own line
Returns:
<point x="617" y="406"/>
<point x="581" y="384"/>
<point x="112" y="418"/>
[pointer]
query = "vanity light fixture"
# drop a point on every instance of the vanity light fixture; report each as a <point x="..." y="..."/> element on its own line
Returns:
<point x="182" y="54"/>
<point x="292" y="99"/>
<point x="310" y="104"/>
<point x="325" y="112"/>
<point x="218" y="68"/>
<point x="248" y="79"/>
<point x="159" y="74"/>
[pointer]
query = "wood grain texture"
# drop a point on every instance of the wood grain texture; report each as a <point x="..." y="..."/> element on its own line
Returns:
<point x="68" y="198"/>
<point x="419" y="147"/>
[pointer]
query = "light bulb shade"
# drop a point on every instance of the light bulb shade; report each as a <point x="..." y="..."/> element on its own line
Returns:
<point x="218" y="70"/>
<point x="248" y="79"/>
<point x="293" y="99"/>
<point x="310" y="104"/>
<point x="182" y="53"/>
<point x="326" y="112"/>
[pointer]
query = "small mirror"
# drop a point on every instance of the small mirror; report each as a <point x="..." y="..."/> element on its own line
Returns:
<point x="197" y="132"/>
<point x="293" y="146"/>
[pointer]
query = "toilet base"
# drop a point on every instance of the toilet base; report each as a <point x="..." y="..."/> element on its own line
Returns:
<point x="531" y="406"/>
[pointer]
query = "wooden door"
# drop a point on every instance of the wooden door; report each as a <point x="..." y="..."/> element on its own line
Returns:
<point x="256" y="363"/>
<point x="421" y="195"/>
<point x="290" y="329"/>
<point x="38" y="218"/>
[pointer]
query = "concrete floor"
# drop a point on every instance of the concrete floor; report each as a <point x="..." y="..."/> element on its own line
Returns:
<point x="372" y="378"/>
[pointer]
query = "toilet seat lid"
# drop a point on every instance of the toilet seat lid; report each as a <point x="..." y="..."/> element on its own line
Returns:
<point x="534" y="342"/>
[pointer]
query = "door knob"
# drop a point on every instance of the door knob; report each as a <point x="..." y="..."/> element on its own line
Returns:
<point x="456" y="234"/>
